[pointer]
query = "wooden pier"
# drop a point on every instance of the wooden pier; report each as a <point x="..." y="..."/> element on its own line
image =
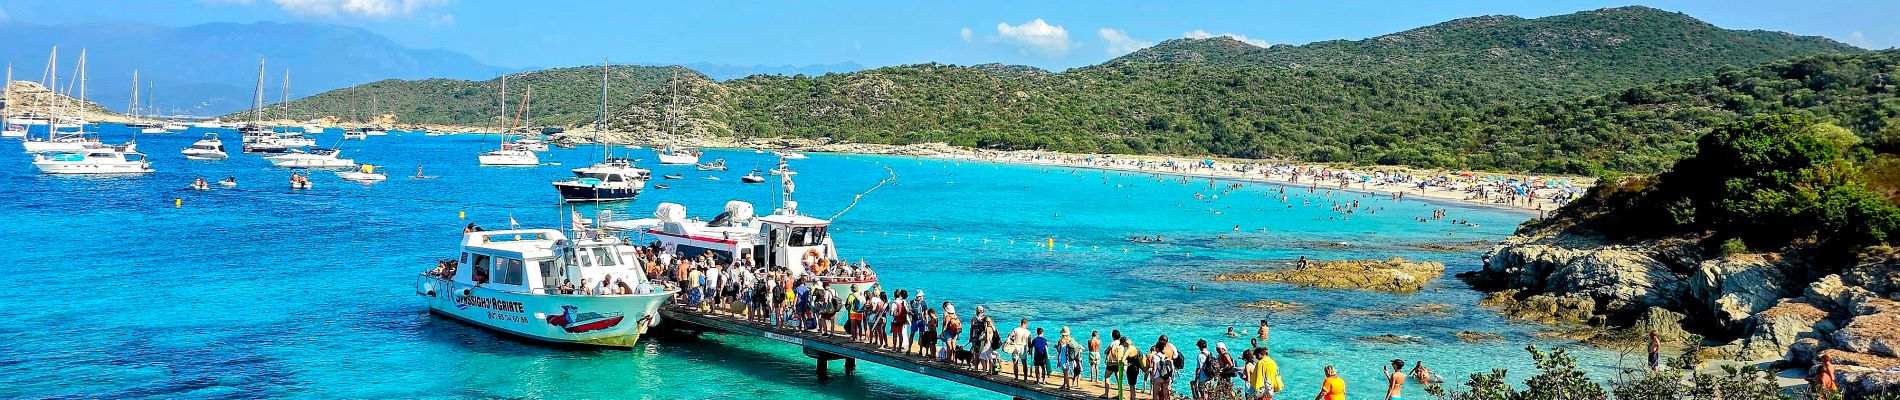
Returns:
<point x="829" y="347"/>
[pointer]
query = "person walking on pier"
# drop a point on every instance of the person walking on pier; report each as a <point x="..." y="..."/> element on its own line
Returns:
<point x="1095" y="356"/>
<point x="1201" y="357"/>
<point x="1161" y="371"/>
<point x="1264" y="380"/>
<point x="1039" y="353"/>
<point x="919" y="310"/>
<point x="1134" y="365"/>
<point x="952" y="326"/>
<point x="900" y="322"/>
<point x="1016" y="347"/>
<point x="1068" y="357"/>
<point x="1113" y="371"/>
<point x="854" y="314"/>
<point x="927" y="340"/>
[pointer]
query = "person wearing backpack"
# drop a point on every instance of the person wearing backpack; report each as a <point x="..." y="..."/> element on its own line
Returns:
<point x="1161" y="371"/>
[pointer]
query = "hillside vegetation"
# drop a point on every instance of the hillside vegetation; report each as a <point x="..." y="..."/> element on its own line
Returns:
<point x="562" y="97"/>
<point x="1427" y="97"/>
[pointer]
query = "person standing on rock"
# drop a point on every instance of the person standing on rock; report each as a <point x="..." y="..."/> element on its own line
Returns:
<point x="1823" y="379"/>
<point x="1655" y="352"/>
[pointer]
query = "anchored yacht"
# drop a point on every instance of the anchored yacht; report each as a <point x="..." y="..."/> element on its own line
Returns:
<point x="316" y="158"/>
<point x="209" y="148"/>
<point x="98" y="160"/>
<point x="611" y="180"/>
<point x="509" y="154"/>
<point x="512" y="281"/>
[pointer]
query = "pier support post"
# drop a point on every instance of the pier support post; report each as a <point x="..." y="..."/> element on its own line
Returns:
<point x="850" y="365"/>
<point x="824" y="372"/>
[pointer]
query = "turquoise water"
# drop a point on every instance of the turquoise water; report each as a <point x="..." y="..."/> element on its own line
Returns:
<point x="262" y="291"/>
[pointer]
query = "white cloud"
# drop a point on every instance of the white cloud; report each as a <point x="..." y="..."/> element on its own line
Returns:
<point x="1119" y="43"/>
<point x="966" y="34"/>
<point x="358" y="8"/>
<point x="1036" y="36"/>
<point x="1201" y="34"/>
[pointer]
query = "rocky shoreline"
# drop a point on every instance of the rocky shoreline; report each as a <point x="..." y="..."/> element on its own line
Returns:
<point x="1774" y="309"/>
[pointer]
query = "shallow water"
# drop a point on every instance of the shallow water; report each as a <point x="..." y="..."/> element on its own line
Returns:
<point x="262" y="291"/>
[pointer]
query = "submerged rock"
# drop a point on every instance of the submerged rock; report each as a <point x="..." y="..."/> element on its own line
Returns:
<point x="1392" y="339"/>
<point x="1391" y="275"/>
<point x="1273" y="306"/>
<point x="1436" y="310"/>
<point x="1478" y="337"/>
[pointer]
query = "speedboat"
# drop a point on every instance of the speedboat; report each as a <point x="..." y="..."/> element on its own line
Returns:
<point x="174" y="127"/>
<point x="355" y="134"/>
<point x="675" y="156"/>
<point x="752" y="177"/>
<point x="376" y="131"/>
<point x="510" y="281"/>
<point x="312" y="129"/>
<point x="317" y="158"/>
<point x="785" y="239"/>
<point x="716" y="165"/>
<point x="212" y="124"/>
<point x="533" y="144"/>
<point x="265" y="147"/>
<point x="611" y="180"/>
<point x="790" y="155"/>
<point x="367" y="174"/>
<point x="97" y="160"/>
<point x="209" y="148"/>
<point x="510" y="154"/>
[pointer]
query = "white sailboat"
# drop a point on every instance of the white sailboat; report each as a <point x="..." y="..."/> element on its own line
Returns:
<point x="136" y="122"/>
<point x="671" y="154"/>
<point x="57" y="137"/>
<point x="510" y="153"/>
<point x="7" y="128"/>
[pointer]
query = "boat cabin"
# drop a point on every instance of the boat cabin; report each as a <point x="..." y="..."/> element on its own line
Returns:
<point x="537" y="261"/>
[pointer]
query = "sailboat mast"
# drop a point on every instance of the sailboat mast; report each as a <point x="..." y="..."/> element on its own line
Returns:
<point x="134" y="107"/>
<point x="151" y="106"/>
<point x="257" y="98"/>
<point x="52" y="113"/>
<point x="283" y="99"/>
<point x="82" y="91"/>
<point x="600" y="124"/>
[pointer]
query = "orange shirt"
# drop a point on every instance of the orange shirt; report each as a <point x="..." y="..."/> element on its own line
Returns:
<point x="1333" y="389"/>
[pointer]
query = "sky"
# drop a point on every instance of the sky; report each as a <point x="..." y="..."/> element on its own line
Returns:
<point x="1052" y="35"/>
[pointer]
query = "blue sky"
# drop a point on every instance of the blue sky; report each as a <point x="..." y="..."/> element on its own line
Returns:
<point x="1053" y="35"/>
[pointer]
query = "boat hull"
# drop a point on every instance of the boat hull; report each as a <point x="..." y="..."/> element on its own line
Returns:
<point x="509" y="159"/>
<point x="310" y="163"/>
<point x="92" y="168"/>
<point x="574" y="192"/>
<point x="206" y="156"/>
<point x="678" y="159"/>
<point x="608" y="321"/>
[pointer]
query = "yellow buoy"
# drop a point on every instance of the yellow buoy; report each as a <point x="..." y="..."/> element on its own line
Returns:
<point x="1052" y="243"/>
<point x="178" y="203"/>
<point x="461" y="215"/>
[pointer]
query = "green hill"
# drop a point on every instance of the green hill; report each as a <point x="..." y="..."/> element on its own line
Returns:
<point x="1648" y="127"/>
<point x="1403" y="98"/>
<point x="562" y="97"/>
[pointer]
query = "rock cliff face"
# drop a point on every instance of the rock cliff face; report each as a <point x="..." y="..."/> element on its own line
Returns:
<point x="1776" y="307"/>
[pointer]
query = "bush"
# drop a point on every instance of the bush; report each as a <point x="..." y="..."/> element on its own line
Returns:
<point x="1733" y="246"/>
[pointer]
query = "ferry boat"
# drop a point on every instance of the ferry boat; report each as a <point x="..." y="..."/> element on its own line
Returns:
<point x="510" y="281"/>
<point x="97" y="160"/>
<point x="784" y="239"/>
<point x="209" y="148"/>
<point x="317" y="158"/>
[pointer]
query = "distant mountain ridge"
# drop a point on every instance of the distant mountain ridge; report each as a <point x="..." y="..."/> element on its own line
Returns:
<point x="210" y="69"/>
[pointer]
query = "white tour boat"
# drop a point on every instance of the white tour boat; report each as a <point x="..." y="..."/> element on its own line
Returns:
<point x="510" y="281"/>
<point x="785" y="239"/>
<point x="209" y="148"/>
<point x="315" y="158"/>
<point x="98" y="160"/>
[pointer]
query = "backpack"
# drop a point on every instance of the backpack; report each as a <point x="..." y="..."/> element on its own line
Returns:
<point x="1179" y="361"/>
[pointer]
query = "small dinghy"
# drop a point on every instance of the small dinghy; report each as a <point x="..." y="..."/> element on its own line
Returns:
<point x="662" y="187"/>
<point x="228" y="182"/>
<point x="672" y="176"/>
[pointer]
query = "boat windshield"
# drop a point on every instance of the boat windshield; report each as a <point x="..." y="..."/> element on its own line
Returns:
<point x="601" y="176"/>
<point x="807" y="236"/>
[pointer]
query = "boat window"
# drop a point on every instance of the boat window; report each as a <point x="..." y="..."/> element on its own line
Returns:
<point x="808" y="236"/>
<point x="480" y="273"/>
<point x="604" y="258"/>
<point x="585" y="261"/>
<point x="508" y="271"/>
<point x="550" y="276"/>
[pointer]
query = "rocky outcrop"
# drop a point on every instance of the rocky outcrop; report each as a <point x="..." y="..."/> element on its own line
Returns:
<point x="1877" y="333"/>
<point x="1773" y="333"/>
<point x="1545" y="308"/>
<point x="1622" y="281"/>
<point x="1734" y="288"/>
<point x="1392" y="275"/>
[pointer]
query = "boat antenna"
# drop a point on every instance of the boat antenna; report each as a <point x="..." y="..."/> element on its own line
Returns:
<point x="860" y="196"/>
<point x="600" y="124"/>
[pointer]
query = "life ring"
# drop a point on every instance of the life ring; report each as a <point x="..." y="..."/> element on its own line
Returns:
<point x="811" y="261"/>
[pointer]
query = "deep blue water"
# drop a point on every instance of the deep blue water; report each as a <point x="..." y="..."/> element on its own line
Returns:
<point x="262" y="291"/>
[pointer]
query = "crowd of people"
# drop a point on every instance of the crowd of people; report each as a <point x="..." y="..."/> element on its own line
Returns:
<point x="903" y="321"/>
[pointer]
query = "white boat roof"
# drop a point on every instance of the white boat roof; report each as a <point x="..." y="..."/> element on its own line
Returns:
<point x="526" y="243"/>
<point x="631" y="224"/>
<point x="793" y="220"/>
